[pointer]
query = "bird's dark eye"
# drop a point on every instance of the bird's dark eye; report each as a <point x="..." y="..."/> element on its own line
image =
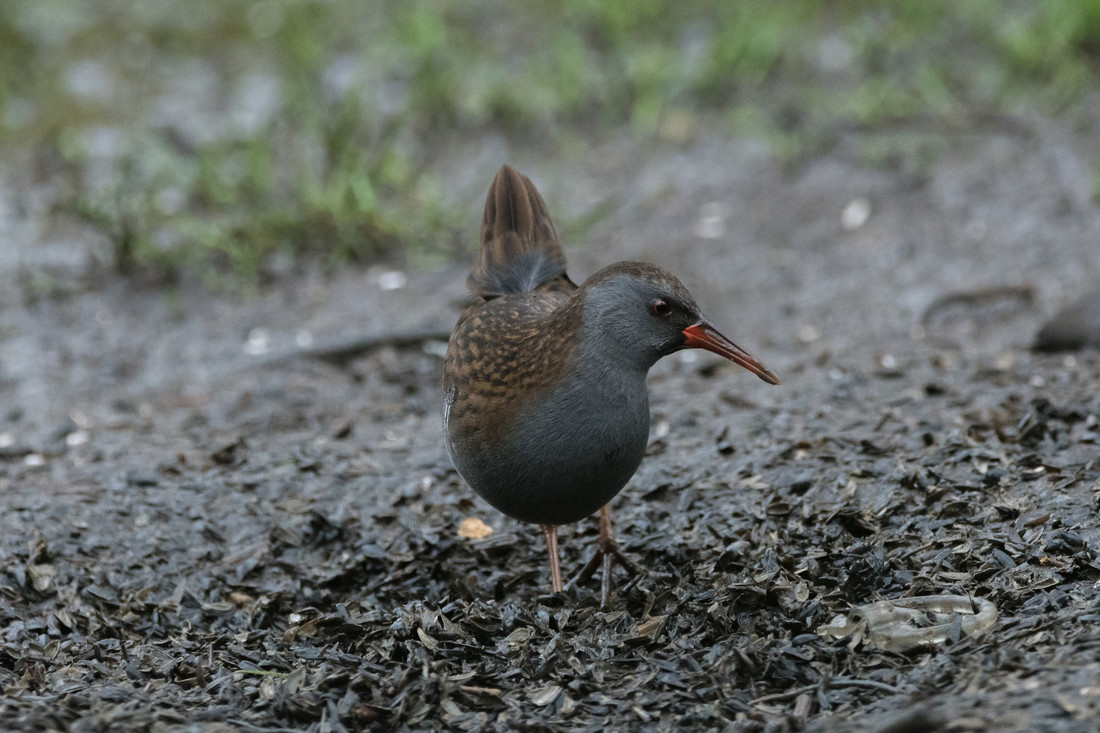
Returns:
<point x="660" y="307"/>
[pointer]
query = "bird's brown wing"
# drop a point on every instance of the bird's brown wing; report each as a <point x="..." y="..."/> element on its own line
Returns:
<point x="502" y="352"/>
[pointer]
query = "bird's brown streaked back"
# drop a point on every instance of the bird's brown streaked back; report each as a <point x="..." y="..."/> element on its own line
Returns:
<point x="501" y="356"/>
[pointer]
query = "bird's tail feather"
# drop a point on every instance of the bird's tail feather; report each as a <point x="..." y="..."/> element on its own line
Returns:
<point x="519" y="247"/>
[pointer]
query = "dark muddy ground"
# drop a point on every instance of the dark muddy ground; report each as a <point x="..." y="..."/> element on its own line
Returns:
<point x="200" y="534"/>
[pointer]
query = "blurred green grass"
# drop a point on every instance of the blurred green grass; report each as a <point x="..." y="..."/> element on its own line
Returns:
<point x="234" y="139"/>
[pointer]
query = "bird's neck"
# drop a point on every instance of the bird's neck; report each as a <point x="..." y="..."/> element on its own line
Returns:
<point x="602" y="365"/>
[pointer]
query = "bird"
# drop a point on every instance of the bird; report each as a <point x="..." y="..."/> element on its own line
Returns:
<point x="545" y="406"/>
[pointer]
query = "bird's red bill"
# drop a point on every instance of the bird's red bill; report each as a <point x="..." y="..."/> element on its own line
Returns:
<point x="702" y="335"/>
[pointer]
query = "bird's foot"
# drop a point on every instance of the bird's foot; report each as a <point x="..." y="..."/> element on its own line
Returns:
<point x="607" y="554"/>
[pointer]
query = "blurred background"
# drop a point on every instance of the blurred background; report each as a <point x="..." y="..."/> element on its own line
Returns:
<point x="229" y="142"/>
<point x="234" y="239"/>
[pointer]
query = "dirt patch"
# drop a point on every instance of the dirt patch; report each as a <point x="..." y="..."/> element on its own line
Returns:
<point x="198" y="531"/>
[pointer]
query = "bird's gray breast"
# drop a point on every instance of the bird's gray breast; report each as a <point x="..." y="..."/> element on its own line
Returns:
<point x="567" y="453"/>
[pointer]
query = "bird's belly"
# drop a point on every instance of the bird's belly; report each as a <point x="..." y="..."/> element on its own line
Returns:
<point x="553" y="465"/>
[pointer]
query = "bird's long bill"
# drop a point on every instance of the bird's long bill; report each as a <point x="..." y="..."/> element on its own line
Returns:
<point x="702" y="335"/>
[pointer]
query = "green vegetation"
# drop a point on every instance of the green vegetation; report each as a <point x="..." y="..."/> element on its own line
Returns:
<point x="230" y="138"/>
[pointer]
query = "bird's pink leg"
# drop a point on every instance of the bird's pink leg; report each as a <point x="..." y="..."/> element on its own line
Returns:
<point x="550" y="531"/>
<point x="607" y="554"/>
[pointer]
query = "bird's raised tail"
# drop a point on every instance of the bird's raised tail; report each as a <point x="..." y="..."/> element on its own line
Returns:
<point x="519" y="247"/>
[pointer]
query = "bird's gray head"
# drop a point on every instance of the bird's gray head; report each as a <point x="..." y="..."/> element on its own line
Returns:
<point x="636" y="313"/>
